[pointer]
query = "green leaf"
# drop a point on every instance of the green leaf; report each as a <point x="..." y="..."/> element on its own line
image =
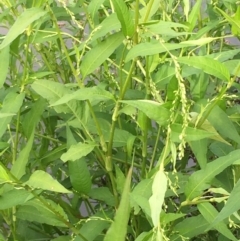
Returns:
<point x="140" y="195"/>
<point x="199" y="180"/>
<point x="153" y="6"/>
<point x="157" y="198"/>
<point x="93" y="227"/>
<point x="4" y="63"/>
<point x="124" y="16"/>
<point x="102" y="194"/>
<point x="14" y="197"/>
<point x="78" y="169"/>
<point x="52" y="91"/>
<point x="120" y="179"/>
<point x="47" y="212"/>
<point x="33" y="117"/>
<point x="233" y="67"/>
<point x="219" y="119"/>
<point x="77" y="151"/>
<point x="118" y="229"/>
<point x="200" y="149"/>
<point x="193" y="16"/>
<point x="152" y="109"/>
<point x="4" y="176"/>
<point x="231" y="206"/>
<point x="182" y="228"/>
<point x="151" y="48"/>
<point x="220" y="149"/>
<point x="209" y="66"/>
<point x="80" y="176"/>
<point x="209" y="213"/>
<point x="11" y="104"/>
<point x="235" y="23"/>
<point x="100" y="52"/>
<point x="43" y="180"/>
<point x="93" y="7"/>
<point x="169" y="217"/>
<point x="22" y="22"/>
<point x="199" y="85"/>
<point x="93" y="93"/>
<point x="192" y="134"/>
<point x="19" y="166"/>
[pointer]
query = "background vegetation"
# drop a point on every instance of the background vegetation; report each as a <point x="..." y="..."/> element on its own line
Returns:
<point x="119" y="120"/>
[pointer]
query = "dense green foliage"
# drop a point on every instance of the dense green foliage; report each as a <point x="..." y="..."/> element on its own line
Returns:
<point x="119" y="120"/>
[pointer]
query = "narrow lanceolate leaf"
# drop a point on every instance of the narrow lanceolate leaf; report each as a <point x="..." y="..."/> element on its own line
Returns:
<point x="193" y="16"/>
<point x="209" y="213"/>
<point x="234" y="22"/>
<point x="93" y="93"/>
<point x="182" y="228"/>
<point x="156" y="47"/>
<point x="209" y="66"/>
<point x="159" y="188"/>
<point x="47" y="212"/>
<point x="78" y="170"/>
<point x="22" y="22"/>
<point x="98" y="54"/>
<point x="33" y="116"/>
<point x="14" y="197"/>
<point x="43" y="180"/>
<point x="19" y="166"/>
<point x="80" y="176"/>
<point x="231" y="206"/>
<point x="4" y="63"/>
<point x="11" y="104"/>
<point x="51" y="91"/>
<point x="4" y="176"/>
<point x="93" y="7"/>
<point x="152" y="109"/>
<point x="153" y="6"/>
<point x="199" y="180"/>
<point x="118" y="229"/>
<point x="124" y="16"/>
<point x="77" y="151"/>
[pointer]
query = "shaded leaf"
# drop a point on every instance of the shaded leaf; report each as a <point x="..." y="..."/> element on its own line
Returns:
<point x="49" y="213"/>
<point x="100" y="52"/>
<point x="102" y="194"/>
<point x="93" y="227"/>
<point x="200" y="149"/>
<point x="124" y="16"/>
<point x="199" y="180"/>
<point x="14" y="197"/>
<point x="80" y="176"/>
<point x="182" y="228"/>
<point x="118" y="228"/>
<point x="19" y="166"/>
<point x="33" y="116"/>
<point x="78" y="169"/>
<point x="231" y="206"/>
<point x="209" y="213"/>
